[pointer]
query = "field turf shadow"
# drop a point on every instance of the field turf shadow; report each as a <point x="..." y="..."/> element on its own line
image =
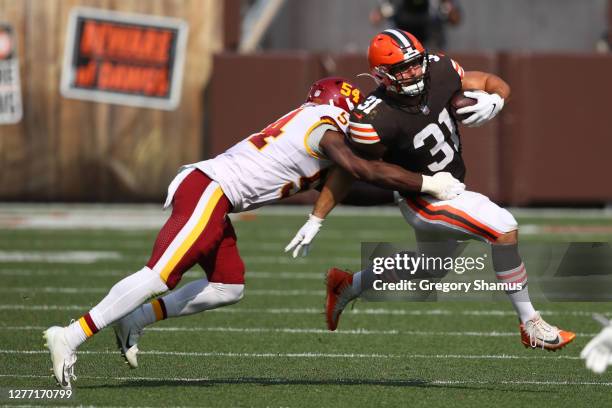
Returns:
<point x="287" y="381"/>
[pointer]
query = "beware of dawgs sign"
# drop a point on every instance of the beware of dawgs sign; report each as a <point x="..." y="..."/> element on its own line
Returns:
<point x="10" y="87"/>
<point x="128" y="59"/>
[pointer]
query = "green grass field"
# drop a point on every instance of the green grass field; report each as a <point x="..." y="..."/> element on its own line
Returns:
<point x="272" y="349"/>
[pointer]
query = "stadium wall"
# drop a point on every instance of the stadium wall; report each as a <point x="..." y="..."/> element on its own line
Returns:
<point x="555" y="133"/>
<point x="71" y="150"/>
<point x="545" y="148"/>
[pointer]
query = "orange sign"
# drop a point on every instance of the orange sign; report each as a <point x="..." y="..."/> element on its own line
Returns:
<point x="124" y="58"/>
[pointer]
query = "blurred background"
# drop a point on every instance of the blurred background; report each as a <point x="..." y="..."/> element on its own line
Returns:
<point x="104" y="107"/>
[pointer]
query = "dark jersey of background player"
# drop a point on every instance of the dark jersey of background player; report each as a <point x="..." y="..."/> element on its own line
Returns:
<point x="426" y="19"/>
<point x="419" y="134"/>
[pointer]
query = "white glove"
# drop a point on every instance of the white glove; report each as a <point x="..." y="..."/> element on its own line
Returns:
<point x="598" y="351"/>
<point x="487" y="107"/>
<point x="442" y="186"/>
<point x="305" y="236"/>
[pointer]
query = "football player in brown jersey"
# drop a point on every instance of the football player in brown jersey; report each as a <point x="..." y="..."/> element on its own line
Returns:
<point x="408" y="121"/>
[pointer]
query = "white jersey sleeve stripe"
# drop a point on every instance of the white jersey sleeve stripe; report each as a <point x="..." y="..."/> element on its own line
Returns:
<point x="365" y="131"/>
<point x="360" y="126"/>
<point x="362" y="133"/>
<point x="364" y="139"/>
<point x="458" y="68"/>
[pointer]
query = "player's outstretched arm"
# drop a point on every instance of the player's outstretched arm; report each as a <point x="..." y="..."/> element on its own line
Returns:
<point x="334" y="191"/>
<point x="489" y="103"/>
<point x="350" y="166"/>
<point x="337" y="186"/>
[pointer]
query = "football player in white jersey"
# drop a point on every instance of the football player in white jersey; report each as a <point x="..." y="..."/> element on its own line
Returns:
<point x="286" y="157"/>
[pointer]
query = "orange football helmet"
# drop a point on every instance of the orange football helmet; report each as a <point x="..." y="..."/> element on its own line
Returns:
<point x="394" y="53"/>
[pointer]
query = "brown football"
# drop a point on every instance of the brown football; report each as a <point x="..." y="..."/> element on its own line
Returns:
<point x="459" y="100"/>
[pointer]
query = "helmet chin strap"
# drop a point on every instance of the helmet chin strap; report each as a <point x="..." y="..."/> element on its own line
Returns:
<point x="418" y="87"/>
<point x="415" y="89"/>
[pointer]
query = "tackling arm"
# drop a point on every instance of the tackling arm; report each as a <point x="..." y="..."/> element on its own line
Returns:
<point x="441" y="185"/>
<point x="350" y="167"/>
<point x="376" y="172"/>
<point x="336" y="187"/>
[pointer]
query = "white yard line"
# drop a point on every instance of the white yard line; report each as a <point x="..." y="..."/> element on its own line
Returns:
<point x="88" y="257"/>
<point x="339" y="380"/>
<point x="190" y="275"/>
<point x="151" y="216"/>
<point x="311" y="355"/>
<point x="317" y="311"/>
<point x="81" y="257"/>
<point x="78" y="291"/>
<point x="293" y="330"/>
<point x="286" y="275"/>
<point x="287" y="260"/>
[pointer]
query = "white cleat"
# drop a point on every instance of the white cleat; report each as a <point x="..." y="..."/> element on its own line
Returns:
<point x="62" y="356"/>
<point x="127" y="336"/>
<point x="536" y="333"/>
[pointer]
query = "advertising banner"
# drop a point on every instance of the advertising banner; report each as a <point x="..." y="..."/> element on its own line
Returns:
<point x="126" y="59"/>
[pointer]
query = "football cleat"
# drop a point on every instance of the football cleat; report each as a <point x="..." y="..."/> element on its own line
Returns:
<point x="536" y="333"/>
<point x="63" y="357"/>
<point x="339" y="294"/>
<point x="127" y="335"/>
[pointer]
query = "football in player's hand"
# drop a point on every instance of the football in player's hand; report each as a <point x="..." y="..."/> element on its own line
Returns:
<point x="458" y="101"/>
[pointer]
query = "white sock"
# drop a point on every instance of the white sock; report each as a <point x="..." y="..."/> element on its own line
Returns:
<point x="509" y="268"/>
<point x="522" y="304"/>
<point x="124" y="296"/>
<point x="74" y="334"/>
<point x="520" y="298"/>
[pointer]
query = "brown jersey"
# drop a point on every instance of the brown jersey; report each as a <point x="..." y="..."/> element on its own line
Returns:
<point x="423" y="139"/>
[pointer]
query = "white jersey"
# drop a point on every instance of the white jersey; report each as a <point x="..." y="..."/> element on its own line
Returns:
<point x="281" y="160"/>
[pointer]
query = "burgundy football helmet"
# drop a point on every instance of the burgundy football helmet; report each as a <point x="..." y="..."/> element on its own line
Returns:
<point x="335" y="91"/>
